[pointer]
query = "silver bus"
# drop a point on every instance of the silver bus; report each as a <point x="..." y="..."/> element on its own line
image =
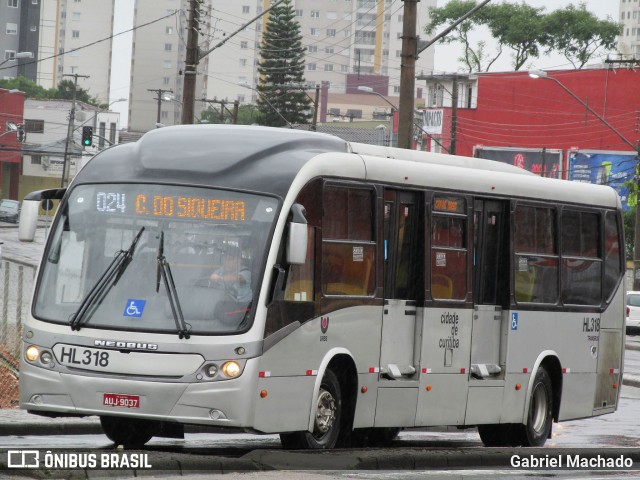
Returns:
<point x="280" y="281"/>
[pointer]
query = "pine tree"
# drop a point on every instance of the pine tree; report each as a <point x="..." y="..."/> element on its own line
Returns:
<point x="282" y="70"/>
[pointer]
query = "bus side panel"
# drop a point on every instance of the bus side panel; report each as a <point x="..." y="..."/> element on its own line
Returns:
<point x="287" y="404"/>
<point x="442" y="399"/>
<point x="608" y="376"/>
<point x="444" y="362"/>
<point x="484" y="403"/>
<point x="578" y="391"/>
<point x="514" y="398"/>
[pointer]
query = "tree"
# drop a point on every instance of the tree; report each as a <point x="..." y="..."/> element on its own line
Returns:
<point x="281" y="66"/>
<point x="578" y="34"/>
<point x="572" y="31"/>
<point x="473" y="56"/>
<point x="517" y="26"/>
<point x="64" y="90"/>
<point x="247" y="115"/>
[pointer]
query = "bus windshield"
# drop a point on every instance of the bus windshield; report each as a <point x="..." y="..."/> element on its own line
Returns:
<point x="193" y="253"/>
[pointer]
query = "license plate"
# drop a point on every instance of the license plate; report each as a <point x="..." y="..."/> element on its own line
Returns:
<point x="121" y="400"/>
<point x="82" y="357"/>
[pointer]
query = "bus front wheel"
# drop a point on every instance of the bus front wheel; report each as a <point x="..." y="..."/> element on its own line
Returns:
<point x="128" y="432"/>
<point x="327" y="418"/>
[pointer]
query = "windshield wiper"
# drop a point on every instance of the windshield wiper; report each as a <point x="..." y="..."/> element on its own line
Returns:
<point x="104" y="284"/>
<point x="163" y="272"/>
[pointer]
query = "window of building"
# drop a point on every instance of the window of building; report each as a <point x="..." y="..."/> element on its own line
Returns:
<point x="312" y="48"/>
<point x="102" y="132"/>
<point x="246" y="9"/>
<point x="75" y="16"/>
<point x="331" y="32"/>
<point x="34" y="2"/>
<point x="36" y="159"/>
<point x="400" y="18"/>
<point x="112" y="133"/>
<point x="315" y="14"/>
<point x="166" y="80"/>
<point x="12" y="29"/>
<point x="354" y="113"/>
<point x="167" y="64"/>
<point x="348" y="246"/>
<point x="33" y="27"/>
<point x="344" y="68"/>
<point x="75" y="33"/>
<point x="244" y="44"/>
<point x="240" y="98"/>
<point x="311" y="66"/>
<point x="332" y="15"/>
<point x="9" y="54"/>
<point x="449" y="248"/>
<point x="168" y="30"/>
<point x="299" y="12"/>
<point x="314" y="32"/>
<point x="164" y="114"/>
<point x="243" y="62"/>
<point x="328" y="67"/>
<point x="34" y="126"/>
<point x="12" y="3"/>
<point x="168" y="47"/>
<point x="328" y="49"/>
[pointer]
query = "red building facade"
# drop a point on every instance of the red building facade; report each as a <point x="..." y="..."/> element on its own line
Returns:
<point x="515" y="110"/>
<point x="11" y="111"/>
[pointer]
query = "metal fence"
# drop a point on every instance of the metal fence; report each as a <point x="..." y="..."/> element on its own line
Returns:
<point x="16" y="286"/>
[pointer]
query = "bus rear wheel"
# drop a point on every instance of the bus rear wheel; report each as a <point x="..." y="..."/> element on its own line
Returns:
<point x="540" y="416"/>
<point x="128" y="432"/>
<point x="326" y="425"/>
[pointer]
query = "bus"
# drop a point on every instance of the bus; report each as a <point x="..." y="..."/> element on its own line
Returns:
<point x="290" y="282"/>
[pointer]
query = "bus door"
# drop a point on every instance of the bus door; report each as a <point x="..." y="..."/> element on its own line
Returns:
<point x="403" y="283"/>
<point x="491" y="286"/>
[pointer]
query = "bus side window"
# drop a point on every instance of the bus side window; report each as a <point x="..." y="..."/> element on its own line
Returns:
<point x="536" y="255"/>
<point x="612" y="254"/>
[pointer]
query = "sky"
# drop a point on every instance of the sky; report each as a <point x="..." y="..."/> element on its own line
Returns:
<point x="445" y="55"/>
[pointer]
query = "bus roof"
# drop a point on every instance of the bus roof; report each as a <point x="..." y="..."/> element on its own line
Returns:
<point x="264" y="159"/>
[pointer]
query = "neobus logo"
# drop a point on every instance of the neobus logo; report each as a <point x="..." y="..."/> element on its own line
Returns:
<point x="127" y="345"/>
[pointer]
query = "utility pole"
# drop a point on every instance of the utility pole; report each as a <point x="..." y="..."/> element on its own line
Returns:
<point x="191" y="64"/>
<point x="64" y="181"/>
<point x="159" y="92"/>
<point x="454" y="115"/>
<point x="222" y="104"/>
<point x="407" y="73"/>
<point x="316" y="101"/>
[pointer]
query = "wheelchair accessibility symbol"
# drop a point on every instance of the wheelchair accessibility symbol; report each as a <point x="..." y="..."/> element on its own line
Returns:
<point x="134" y="308"/>
<point x="514" y="321"/>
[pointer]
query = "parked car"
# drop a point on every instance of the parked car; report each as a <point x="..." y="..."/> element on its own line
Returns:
<point x="633" y="313"/>
<point x="9" y="210"/>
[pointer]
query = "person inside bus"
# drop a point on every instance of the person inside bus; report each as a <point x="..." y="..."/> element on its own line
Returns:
<point x="232" y="277"/>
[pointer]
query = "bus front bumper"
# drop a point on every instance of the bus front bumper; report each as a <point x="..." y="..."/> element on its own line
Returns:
<point x="223" y="403"/>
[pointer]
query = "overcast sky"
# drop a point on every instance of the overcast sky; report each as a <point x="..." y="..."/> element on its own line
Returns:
<point x="445" y="55"/>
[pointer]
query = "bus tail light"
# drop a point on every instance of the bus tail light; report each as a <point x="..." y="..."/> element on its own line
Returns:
<point x="628" y="311"/>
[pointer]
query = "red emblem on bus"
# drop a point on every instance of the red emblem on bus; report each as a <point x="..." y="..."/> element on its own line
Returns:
<point x="324" y="324"/>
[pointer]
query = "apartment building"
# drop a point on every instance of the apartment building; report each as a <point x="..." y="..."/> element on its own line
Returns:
<point x="629" y="40"/>
<point x="157" y="63"/>
<point x="342" y="37"/>
<point x="19" y="33"/>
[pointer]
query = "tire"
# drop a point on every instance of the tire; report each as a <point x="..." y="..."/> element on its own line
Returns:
<point x="539" y="419"/>
<point x="128" y="432"/>
<point x="328" y="415"/>
<point x="540" y="415"/>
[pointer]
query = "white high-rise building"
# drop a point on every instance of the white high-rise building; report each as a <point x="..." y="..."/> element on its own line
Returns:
<point x="75" y="38"/>
<point x="342" y="37"/>
<point x="629" y="39"/>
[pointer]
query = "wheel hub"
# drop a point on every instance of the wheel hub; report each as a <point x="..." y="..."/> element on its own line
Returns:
<point x="325" y="411"/>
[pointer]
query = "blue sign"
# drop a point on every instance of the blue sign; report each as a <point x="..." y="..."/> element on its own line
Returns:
<point x="134" y="308"/>
<point x="514" y="321"/>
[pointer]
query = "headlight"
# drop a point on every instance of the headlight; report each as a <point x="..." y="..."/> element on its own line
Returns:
<point x="211" y="370"/>
<point x="32" y="353"/>
<point x="231" y="369"/>
<point x="46" y="357"/>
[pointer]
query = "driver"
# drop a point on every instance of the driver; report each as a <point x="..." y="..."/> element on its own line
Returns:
<point x="232" y="276"/>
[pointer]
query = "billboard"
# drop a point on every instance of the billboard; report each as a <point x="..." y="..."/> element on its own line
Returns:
<point x="541" y="161"/>
<point x="604" y="168"/>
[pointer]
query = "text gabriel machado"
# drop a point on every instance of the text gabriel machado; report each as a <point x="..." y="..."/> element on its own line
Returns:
<point x="571" y="461"/>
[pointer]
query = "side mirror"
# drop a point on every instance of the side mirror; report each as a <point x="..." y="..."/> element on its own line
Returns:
<point x="298" y="236"/>
<point x="31" y="209"/>
<point x="28" y="220"/>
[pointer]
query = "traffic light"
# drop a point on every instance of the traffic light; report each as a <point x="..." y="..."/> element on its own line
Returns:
<point x="21" y="133"/>
<point x="87" y="136"/>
